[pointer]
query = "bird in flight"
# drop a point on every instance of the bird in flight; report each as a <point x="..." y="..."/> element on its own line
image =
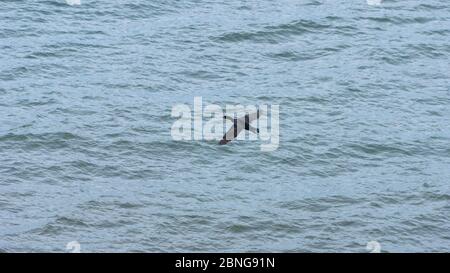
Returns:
<point x="240" y="124"/>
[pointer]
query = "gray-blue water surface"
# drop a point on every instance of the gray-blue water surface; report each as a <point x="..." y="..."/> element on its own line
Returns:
<point x="86" y="154"/>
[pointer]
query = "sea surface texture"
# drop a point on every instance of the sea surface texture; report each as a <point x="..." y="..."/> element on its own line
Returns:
<point x="86" y="153"/>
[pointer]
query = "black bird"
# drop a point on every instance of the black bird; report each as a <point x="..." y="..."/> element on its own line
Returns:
<point x="238" y="125"/>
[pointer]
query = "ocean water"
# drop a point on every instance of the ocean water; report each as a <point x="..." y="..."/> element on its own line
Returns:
<point x="86" y="153"/>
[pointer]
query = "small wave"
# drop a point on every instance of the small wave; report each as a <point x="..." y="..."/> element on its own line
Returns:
<point x="35" y="103"/>
<point x="320" y="204"/>
<point x="304" y="56"/>
<point x="376" y="149"/>
<point x="128" y="205"/>
<point x="201" y="75"/>
<point x="398" y="20"/>
<point x="437" y="196"/>
<point x="239" y="228"/>
<point x="334" y="18"/>
<point x="99" y="205"/>
<point x="273" y="34"/>
<point x="58" y="226"/>
<point x="44" y="136"/>
<point x="13" y="73"/>
<point x="430" y="7"/>
<point x="12" y="33"/>
<point x="70" y="221"/>
<point x="440" y="32"/>
<point x="49" y="229"/>
<point x="314" y="3"/>
<point x="429" y="50"/>
<point x="58" y="53"/>
<point x="167" y="146"/>
<point x="60" y="3"/>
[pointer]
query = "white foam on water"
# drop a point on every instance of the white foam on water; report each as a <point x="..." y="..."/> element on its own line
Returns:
<point x="374" y="2"/>
<point x="73" y="2"/>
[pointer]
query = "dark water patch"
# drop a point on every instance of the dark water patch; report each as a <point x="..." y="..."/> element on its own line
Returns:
<point x="313" y="3"/>
<point x="334" y="18"/>
<point x="418" y="198"/>
<point x="346" y="30"/>
<point x="3" y="204"/>
<point x="429" y="50"/>
<point x="418" y="225"/>
<point x="76" y="111"/>
<point x="50" y="229"/>
<point x="433" y="196"/>
<point x="88" y="167"/>
<point x="274" y="228"/>
<point x="59" y="53"/>
<point x="305" y="55"/>
<point x="273" y="34"/>
<point x="239" y="228"/>
<point x="93" y="204"/>
<point x="377" y="149"/>
<point x="93" y="98"/>
<point x="167" y="146"/>
<point x="198" y="197"/>
<point x="62" y="136"/>
<point x="436" y="101"/>
<point x="14" y="33"/>
<point x="201" y="75"/>
<point x="61" y="3"/>
<point x="288" y="55"/>
<point x="393" y="56"/>
<point x="348" y="223"/>
<point x="197" y="220"/>
<point x="70" y="222"/>
<point x="439" y="32"/>
<point x="398" y="20"/>
<point x="146" y="130"/>
<point x="11" y="74"/>
<point x="44" y="70"/>
<point x="386" y="200"/>
<point x="88" y="45"/>
<point x="36" y="103"/>
<point x="129" y="205"/>
<point x="320" y="204"/>
<point x="244" y="8"/>
<point x="431" y="7"/>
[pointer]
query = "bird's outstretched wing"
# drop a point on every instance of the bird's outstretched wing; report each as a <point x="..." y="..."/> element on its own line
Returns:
<point x="251" y="117"/>
<point x="253" y="129"/>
